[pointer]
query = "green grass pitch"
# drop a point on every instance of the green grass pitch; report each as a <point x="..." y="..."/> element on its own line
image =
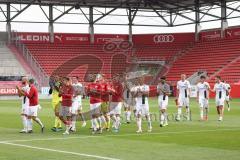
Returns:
<point x="186" y="140"/>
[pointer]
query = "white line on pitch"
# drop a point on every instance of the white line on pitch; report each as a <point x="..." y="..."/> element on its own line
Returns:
<point x="122" y="135"/>
<point x="59" y="151"/>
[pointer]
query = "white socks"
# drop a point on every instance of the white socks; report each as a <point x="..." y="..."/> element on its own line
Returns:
<point x="95" y="124"/>
<point x="118" y="121"/>
<point x="179" y="112"/>
<point x="139" y="123"/>
<point x="29" y="124"/>
<point x="201" y="113"/>
<point x="162" y="118"/>
<point x="114" y="119"/>
<point x="39" y="121"/>
<point x="24" y="121"/>
<point x="103" y="120"/>
<point x="149" y="121"/>
<point x="99" y="119"/>
<point x="74" y="119"/>
<point x="128" y="116"/>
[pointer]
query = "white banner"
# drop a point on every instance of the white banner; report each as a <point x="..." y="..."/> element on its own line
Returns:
<point x="193" y="91"/>
<point x="45" y="90"/>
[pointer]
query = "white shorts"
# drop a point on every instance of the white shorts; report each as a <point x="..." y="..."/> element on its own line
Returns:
<point x="203" y="103"/>
<point x="227" y="98"/>
<point x="24" y="110"/>
<point x="95" y="108"/>
<point x="65" y="111"/>
<point x="220" y="102"/>
<point x="142" y="109"/>
<point x="128" y="103"/>
<point x="75" y="107"/>
<point x="33" y="111"/>
<point x="162" y="103"/>
<point x="115" y="108"/>
<point x="183" y="101"/>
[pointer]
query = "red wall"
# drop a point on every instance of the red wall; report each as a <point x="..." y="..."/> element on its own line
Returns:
<point x="163" y="38"/>
<point x="8" y="87"/>
<point x="68" y="38"/>
<point x="214" y="34"/>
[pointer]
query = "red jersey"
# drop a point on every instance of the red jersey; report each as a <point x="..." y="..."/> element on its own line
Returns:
<point x="118" y="92"/>
<point x="94" y="92"/>
<point x="32" y="96"/>
<point x="66" y="94"/>
<point x="105" y="93"/>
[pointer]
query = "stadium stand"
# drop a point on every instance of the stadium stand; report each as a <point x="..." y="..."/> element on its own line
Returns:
<point x="9" y="65"/>
<point x="214" y="57"/>
<point x="159" y="52"/>
<point x="52" y="56"/>
<point x="209" y="56"/>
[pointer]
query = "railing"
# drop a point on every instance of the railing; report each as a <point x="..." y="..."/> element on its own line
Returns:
<point x="193" y="79"/>
<point x="39" y="74"/>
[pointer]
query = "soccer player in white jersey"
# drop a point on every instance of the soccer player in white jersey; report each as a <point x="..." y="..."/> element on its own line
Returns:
<point x="25" y="105"/>
<point x="128" y="101"/>
<point x="183" y="95"/>
<point x="76" y="101"/>
<point x="227" y="98"/>
<point x="203" y="88"/>
<point x="163" y="91"/>
<point x="142" y="107"/>
<point x="220" y="90"/>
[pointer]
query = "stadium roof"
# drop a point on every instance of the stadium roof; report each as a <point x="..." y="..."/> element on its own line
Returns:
<point x="163" y="13"/>
<point x="170" y="5"/>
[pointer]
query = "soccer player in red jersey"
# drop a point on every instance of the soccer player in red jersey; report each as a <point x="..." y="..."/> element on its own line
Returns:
<point x="66" y="92"/>
<point x="25" y="104"/>
<point x="93" y="90"/>
<point x="105" y="93"/>
<point x="32" y="95"/>
<point x="116" y="102"/>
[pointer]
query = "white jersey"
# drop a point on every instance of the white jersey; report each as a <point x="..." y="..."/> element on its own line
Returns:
<point x="220" y="89"/>
<point x="127" y="94"/>
<point x="78" y="87"/>
<point x="140" y="99"/>
<point x="25" y="100"/>
<point x="228" y="88"/>
<point x="203" y="90"/>
<point x="183" y="88"/>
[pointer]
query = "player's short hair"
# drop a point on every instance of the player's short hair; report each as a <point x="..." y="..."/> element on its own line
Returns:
<point x="25" y="78"/>
<point x="218" y="77"/>
<point x="66" y="78"/>
<point x="75" y="77"/>
<point x="163" y="78"/>
<point x="31" y="81"/>
<point x="202" y="77"/>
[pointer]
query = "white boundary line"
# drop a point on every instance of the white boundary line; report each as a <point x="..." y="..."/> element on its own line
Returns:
<point x="123" y="135"/>
<point x="59" y="151"/>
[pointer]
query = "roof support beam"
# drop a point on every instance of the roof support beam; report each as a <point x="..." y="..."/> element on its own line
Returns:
<point x="3" y="12"/>
<point x="233" y="11"/>
<point x="160" y="15"/>
<point x="44" y="12"/>
<point x="197" y="23"/>
<point x="91" y="25"/>
<point x="84" y="14"/>
<point x="105" y="15"/>
<point x="130" y="33"/>
<point x="8" y="25"/>
<point x="50" y="26"/>
<point x="26" y="7"/>
<point x="224" y="23"/>
<point x="65" y="12"/>
<point x="187" y="8"/>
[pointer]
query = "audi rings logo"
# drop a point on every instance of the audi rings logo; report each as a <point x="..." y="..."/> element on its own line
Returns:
<point x="163" y="38"/>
